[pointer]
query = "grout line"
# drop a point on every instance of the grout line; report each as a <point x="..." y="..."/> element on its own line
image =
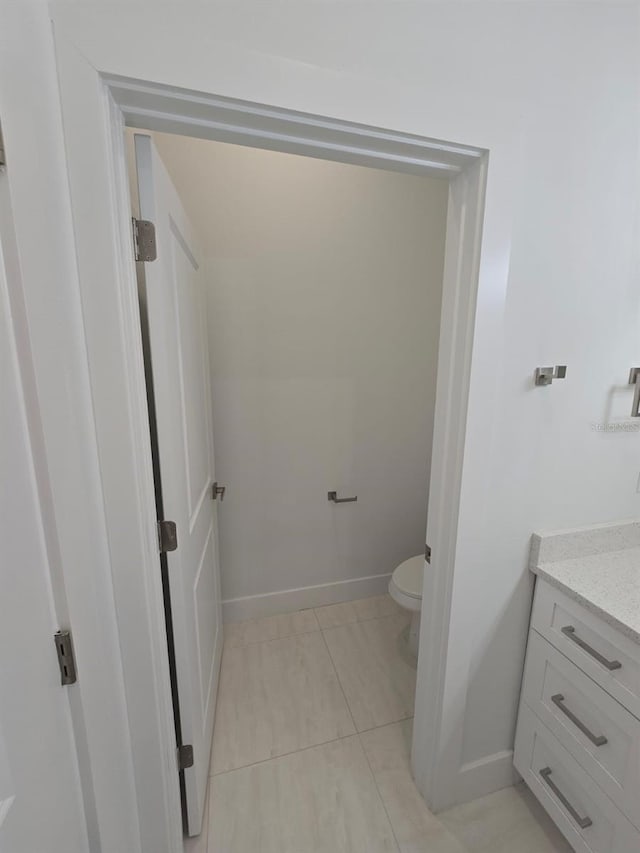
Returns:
<point x="313" y="630"/>
<point x="358" y="619"/>
<point x="344" y="695"/>
<point x="375" y="782"/>
<point x="384" y="725"/>
<point x="284" y="755"/>
<point x="360" y="622"/>
<point x="311" y="746"/>
<point x="272" y="639"/>
<point x="304" y="633"/>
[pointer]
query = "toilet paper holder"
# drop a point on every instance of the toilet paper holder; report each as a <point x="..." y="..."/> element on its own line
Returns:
<point x="333" y="496"/>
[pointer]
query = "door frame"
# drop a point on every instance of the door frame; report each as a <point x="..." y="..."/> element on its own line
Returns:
<point x="96" y="107"/>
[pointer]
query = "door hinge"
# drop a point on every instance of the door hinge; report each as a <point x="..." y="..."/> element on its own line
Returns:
<point x="167" y="536"/>
<point x="185" y="756"/>
<point x="218" y="490"/>
<point x="66" y="657"/>
<point x="144" y="240"/>
<point x="427" y="553"/>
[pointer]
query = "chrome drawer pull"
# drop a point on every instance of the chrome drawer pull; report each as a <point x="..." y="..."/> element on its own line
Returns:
<point x="570" y="632"/>
<point x="596" y="740"/>
<point x="583" y="822"/>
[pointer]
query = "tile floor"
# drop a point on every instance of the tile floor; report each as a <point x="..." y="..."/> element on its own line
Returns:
<point x="311" y="747"/>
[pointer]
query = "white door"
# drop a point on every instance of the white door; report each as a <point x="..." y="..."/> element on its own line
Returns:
<point x="41" y="809"/>
<point x="176" y="312"/>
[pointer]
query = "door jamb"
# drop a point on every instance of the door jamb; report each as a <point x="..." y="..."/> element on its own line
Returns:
<point x="105" y="104"/>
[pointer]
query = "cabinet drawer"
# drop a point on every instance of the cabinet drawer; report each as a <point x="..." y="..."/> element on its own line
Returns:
<point x="600" y="734"/>
<point x="609" y="657"/>
<point x="582" y="811"/>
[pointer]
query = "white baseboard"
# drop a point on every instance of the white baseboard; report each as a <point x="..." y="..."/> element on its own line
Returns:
<point x="483" y="777"/>
<point x="269" y="604"/>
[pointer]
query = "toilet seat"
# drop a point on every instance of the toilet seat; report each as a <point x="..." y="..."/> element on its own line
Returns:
<point x="405" y="586"/>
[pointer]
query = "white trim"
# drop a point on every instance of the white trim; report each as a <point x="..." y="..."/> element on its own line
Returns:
<point x="97" y="169"/>
<point x="302" y="598"/>
<point x="173" y="110"/>
<point x="101" y="207"/>
<point x="435" y="761"/>
<point x="493" y="771"/>
<point x="160" y="714"/>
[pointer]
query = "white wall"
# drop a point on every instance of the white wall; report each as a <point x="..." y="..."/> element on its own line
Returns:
<point x="551" y="89"/>
<point x="325" y="285"/>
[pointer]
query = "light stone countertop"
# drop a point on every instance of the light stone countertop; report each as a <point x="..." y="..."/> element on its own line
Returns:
<point x="597" y="566"/>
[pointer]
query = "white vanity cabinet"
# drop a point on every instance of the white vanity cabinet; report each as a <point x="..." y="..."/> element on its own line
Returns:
<point x="578" y="734"/>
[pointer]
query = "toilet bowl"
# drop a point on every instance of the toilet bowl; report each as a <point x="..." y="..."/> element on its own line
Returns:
<point x="405" y="587"/>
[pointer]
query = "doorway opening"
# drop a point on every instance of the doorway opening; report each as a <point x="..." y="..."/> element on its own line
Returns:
<point x="118" y="389"/>
<point x="292" y="316"/>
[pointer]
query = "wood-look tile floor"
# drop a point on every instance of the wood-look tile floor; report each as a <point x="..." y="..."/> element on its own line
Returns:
<point x="311" y="747"/>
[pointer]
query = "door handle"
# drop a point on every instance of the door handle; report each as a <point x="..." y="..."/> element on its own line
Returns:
<point x="634" y="379"/>
<point x="333" y="496"/>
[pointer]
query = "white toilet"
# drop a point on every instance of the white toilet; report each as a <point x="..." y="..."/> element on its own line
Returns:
<point x="405" y="587"/>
